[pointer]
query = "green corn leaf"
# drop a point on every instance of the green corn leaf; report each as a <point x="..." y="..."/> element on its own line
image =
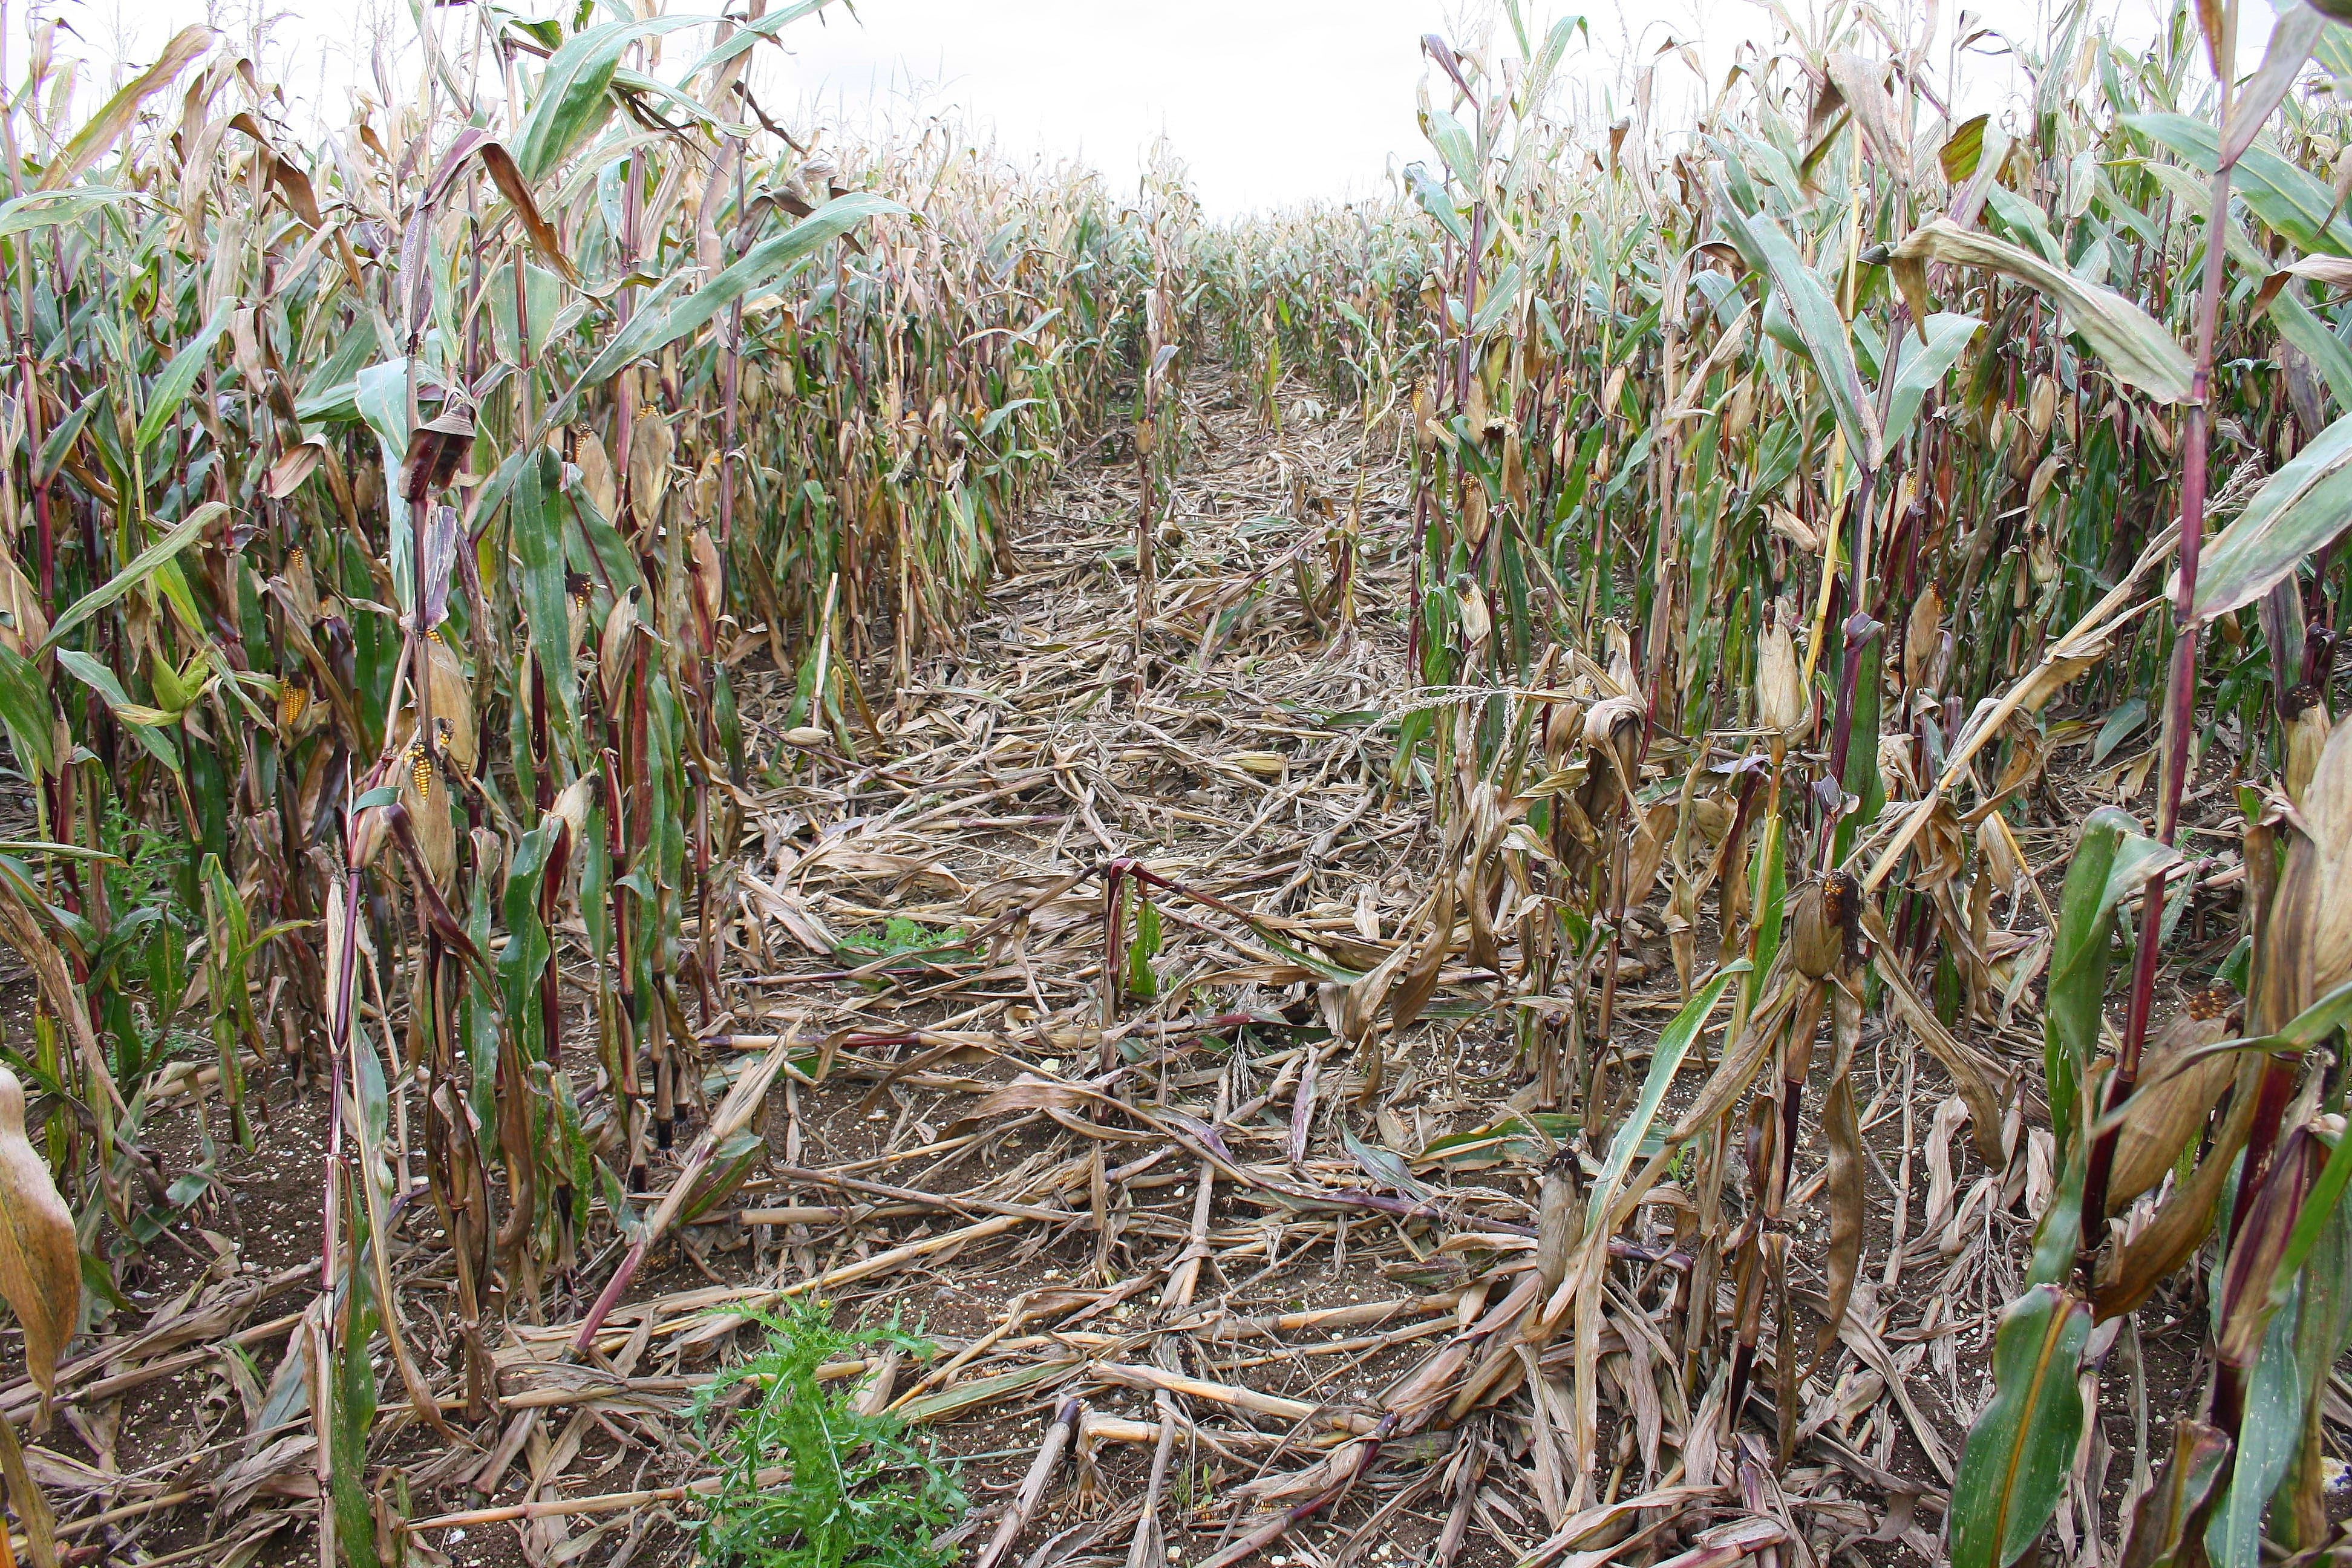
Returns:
<point x="46" y="209"/>
<point x="2284" y="196"/>
<point x="748" y="34"/>
<point x="1813" y="314"/>
<point x="528" y="948"/>
<point x="2111" y="858"/>
<point x="2118" y="727"/>
<point x="145" y="565"/>
<point x="2306" y="503"/>
<point x="100" y="680"/>
<point x="637" y="82"/>
<point x="2134" y="345"/>
<point x="2321" y="1211"/>
<point x="2020" y="1448"/>
<point x="574" y="92"/>
<point x="1453" y="144"/>
<point x="1666" y="1060"/>
<point x="1436" y="203"/>
<point x="25" y="710"/>
<point x="1141" y="982"/>
<point x="2267" y="1439"/>
<point x="2027" y="220"/>
<point x="1922" y="366"/>
<point x="2312" y="1025"/>
<point x="60" y="440"/>
<point x="1546" y="59"/>
<point x="538" y="513"/>
<point x="353" y="1393"/>
<point x="2293" y="35"/>
<point x="179" y="377"/>
<point x="655" y="328"/>
<point x="2301" y="326"/>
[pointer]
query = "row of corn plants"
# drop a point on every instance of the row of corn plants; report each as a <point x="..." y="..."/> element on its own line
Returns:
<point x="388" y="515"/>
<point x="1801" y="495"/>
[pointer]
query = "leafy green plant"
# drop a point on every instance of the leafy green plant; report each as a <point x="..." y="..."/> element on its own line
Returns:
<point x="901" y="937"/>
<point x="857" y="1492"/>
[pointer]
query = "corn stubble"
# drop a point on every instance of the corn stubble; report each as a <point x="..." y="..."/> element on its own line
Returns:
<point x="1775" y="580"/>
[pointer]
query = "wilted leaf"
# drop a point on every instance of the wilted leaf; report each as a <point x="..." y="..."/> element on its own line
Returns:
<point x="2181" y="1487"/>
<point x="90" y="142"/>
<point x="2135" y="347"/>
<point x="40" y="1260"/>
<point x="1846" y="1194"/>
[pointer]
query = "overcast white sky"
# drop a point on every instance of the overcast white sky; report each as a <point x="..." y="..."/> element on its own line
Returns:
<point x="1268" y="101"/>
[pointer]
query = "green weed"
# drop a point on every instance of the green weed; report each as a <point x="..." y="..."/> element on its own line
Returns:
<point x="902" y="938"/>
<point x="859" y="1494"/>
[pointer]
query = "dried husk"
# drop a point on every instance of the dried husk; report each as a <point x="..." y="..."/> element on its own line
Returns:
<point x="1922" y="636"/>
<point x="1612" y="738"/>
<point x="1844" y="1186"/>
<point x="1563" y="726"/>
<point x="613" y="648"/>
<point x="453" y="705"/>
<point x="2135" y="1270"/>
<point x="652" y="445"/>
<point x="2306" y="738"/>
<point x="1780" y="705"/>
<point x="2042" y="404"/>
<point x="2174" y="1098"/>
<point x="1559" y="1222"/>
<point x="1821" y="925"/>
<point x="24" y="625"/>
<point x="424" y="790"/>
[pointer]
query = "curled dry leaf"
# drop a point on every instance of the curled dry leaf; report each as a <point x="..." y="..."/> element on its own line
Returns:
<point x="1844" y="1188"/>
<point x="40" y="1261"/>
<point x="2177" y="1091"/>
<point x="2180" y="1227"/>
<point x="2306" y="946"/>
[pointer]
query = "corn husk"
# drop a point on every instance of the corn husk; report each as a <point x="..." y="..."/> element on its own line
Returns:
<point x="1780" y="705"/>
<point x="425" y="793"/>
<point x="613" y="647"/>
<point x="2306" y="738"/>
<point x="23" y="624"/>
<point x="1821" y="925"/>
<point x="2042" y="406"/>
<point x="453" y="705"/>
<point x="1563" y="726"/>
<point x="1923" y="635"/>
<point x="1613" y="739"/>
<point x="1559" y="1222"/>
<point x="596" y="476"/>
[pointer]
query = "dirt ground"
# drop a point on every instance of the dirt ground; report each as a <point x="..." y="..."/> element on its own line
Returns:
<point x="1198" y="1204"/>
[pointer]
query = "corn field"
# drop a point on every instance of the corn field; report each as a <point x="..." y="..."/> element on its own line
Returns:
<point x="751" y="846"/>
